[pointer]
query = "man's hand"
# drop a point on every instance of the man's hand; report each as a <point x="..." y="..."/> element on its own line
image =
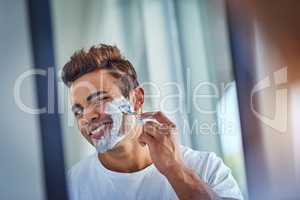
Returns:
<point x="162" y="142"/>
<point x="165" y="152"/>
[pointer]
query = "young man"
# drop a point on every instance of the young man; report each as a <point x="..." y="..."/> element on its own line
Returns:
<point x="138" y="156"/>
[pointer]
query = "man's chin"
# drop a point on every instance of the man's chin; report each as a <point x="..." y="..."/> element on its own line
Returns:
<point x="118" y="146"/>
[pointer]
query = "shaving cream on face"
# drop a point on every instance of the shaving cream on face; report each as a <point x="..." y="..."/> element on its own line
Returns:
<point x="111" y="138"/>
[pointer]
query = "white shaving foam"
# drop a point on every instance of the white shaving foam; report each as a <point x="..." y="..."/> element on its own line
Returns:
<point x="115" y="109"/>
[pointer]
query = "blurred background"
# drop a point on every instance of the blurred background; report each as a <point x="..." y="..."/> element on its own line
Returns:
<point x="227" y="72"/>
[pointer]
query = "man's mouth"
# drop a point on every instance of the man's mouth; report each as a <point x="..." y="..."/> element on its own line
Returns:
<point x="98" y="132"/>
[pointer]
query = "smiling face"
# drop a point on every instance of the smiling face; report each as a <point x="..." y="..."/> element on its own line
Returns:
<point x="90" y="94"/>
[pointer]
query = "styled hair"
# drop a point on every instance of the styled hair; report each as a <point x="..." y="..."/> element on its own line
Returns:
<point x="101" y="57"/>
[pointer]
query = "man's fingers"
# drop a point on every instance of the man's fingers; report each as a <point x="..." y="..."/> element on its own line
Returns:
<point x="150" y="128"/>
<point x="148" y="115"/>
<point x="156" y="130"/>
<point x="146" y="139"/>
<point x="159" y="116"/>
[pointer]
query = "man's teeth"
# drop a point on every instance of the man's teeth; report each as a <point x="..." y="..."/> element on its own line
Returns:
<point x="99" y="128"/>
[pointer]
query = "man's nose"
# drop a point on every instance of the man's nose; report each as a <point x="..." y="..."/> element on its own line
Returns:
<point x="90" y="116"/>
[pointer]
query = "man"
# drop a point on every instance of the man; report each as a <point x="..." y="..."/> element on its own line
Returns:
<point x="138" y="156"/>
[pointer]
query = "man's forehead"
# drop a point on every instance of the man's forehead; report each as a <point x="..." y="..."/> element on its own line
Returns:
<point x="91" y="82"/>
<point x="85" y="91"/>
<point x="87" y="86"/>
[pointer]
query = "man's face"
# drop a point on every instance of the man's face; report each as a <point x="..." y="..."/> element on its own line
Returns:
<point x="90" y="95"/>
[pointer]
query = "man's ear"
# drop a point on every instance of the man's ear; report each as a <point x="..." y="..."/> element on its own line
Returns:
<point x="136" y="97"/>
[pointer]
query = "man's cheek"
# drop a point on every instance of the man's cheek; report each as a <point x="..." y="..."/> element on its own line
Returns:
<point x="80" y="126"/>
<point x="83" y="131"/>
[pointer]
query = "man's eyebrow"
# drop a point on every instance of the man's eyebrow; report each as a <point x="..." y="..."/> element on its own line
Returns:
<point x="95" y="94"/>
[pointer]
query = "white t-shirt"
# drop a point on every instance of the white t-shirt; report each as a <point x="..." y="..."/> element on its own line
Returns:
<point x="90" y="180"/>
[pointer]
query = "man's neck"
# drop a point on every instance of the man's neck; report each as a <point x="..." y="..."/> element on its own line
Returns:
<point x="129" y="156"/>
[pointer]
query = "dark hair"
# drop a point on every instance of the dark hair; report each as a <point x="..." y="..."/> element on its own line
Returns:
<point x="101" y="57"/>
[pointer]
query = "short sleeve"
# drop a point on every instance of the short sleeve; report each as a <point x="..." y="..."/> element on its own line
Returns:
<point x="220" y="179"/>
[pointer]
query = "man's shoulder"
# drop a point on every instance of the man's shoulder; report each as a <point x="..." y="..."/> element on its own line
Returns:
<point x="190" y="155"/>
<point x="204" y="163"/>
<point x="212" y="170"/>
<point x="82" y="167"/>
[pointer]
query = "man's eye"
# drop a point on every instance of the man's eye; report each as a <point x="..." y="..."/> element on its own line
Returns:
<point x="105" y="98"/>
<point x="77" y="114"/>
